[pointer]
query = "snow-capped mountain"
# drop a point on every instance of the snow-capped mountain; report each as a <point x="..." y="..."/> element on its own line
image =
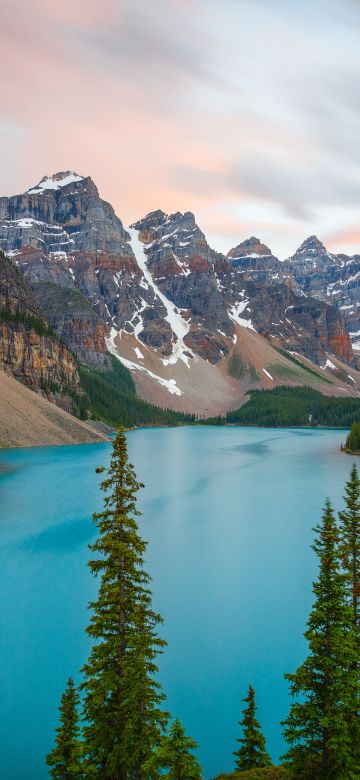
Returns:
<point x="193" y="325"/>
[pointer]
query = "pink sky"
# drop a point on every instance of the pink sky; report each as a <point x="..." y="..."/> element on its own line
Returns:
<point x="246" y="113"/>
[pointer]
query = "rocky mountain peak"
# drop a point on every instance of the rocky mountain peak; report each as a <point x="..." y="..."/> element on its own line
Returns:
<point x="164" y="223"/>
<point x="250" y="247"/>
<point x="311" y="246"/>
<point x="55" y="182"/>
<point x="158" y="226"/>
<point x="151" y="221"/>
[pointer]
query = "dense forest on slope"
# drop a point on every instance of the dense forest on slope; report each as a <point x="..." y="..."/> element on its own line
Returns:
<point x="353" y="438"/>
<point x="111" y="398"/>
<point x="292" y="406"/>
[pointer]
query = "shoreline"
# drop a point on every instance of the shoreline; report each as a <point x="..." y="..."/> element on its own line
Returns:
<point x="105" y="438"/>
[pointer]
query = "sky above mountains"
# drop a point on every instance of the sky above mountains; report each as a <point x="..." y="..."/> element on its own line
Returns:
<point x="246" y="112"/>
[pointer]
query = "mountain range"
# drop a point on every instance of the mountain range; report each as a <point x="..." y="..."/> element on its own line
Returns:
<point x="196" y="328"/>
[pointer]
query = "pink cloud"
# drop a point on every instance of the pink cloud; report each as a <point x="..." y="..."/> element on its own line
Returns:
<point x="162" y="107"/>
<point x="345" y="240"/>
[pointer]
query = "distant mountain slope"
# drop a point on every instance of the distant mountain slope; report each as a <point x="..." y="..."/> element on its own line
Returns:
<point x="179" y="316"/>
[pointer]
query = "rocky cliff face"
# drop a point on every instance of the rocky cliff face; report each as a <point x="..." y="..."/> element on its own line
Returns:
<point x="76" y="323"/>
<point x="28" y="350"/>
<point x="254" y="261"/>
<point x="329" y="277"/>
<point x="159" y="289"/>
<point x="181" y="265"/>
<point x="262" y="295"/>
<point x="300" y="324"/>
<point x="61" y="232"/>
<point x="39" y="362"/>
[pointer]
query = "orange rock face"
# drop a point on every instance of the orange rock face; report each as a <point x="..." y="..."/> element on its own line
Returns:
<point x="341" y="346"/>
<point x="36" y="361"/>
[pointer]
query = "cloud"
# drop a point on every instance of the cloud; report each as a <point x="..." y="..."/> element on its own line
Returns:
<point x="144" y="38"/>
<point x="217" y="106"/>
<point x="346" y="237"/>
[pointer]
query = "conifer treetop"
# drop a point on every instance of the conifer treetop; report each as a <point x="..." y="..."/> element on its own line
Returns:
<point x="173" y="758"/>
<point x="252" y="752"/>
<point x="65" y="760"/>
<point x="318" y="728"/>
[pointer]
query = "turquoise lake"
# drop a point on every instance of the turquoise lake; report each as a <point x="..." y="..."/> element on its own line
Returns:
<point x="228" y="514"/>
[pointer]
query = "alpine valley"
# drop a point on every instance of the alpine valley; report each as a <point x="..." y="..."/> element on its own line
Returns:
<point x="153" y="312"/>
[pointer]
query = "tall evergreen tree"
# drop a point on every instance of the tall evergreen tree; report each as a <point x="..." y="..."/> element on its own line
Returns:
<point x="317" y="728"/>
<point x="122" y="700"/>
<point x="350" y="545"/>
<point x="65" y="760"/>
<point x="252" y="752"/>
<point x="350" y="560"/>
<point x="175" y="754"/>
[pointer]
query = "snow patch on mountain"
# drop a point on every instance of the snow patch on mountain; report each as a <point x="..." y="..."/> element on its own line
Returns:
<point x="169" y="384"/>
<point x="235" y="311"/>
<point x="328" y="364"/>
<point x="55" y="182"/>
<point x="179" y="326"/>
<point x="267" y="374"/>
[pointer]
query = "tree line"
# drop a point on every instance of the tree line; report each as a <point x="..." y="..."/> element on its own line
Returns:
<point x="292" y="407"/>
<point x="115" y="726"/>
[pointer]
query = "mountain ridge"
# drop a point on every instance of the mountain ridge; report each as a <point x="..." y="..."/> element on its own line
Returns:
<point x="156" y="295"/>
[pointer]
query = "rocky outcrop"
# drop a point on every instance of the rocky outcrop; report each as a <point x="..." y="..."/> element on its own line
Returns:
<point x="254" y="261"/>
<point x="14" y="292"/>
<point x="334" y="278"/>
<point x="75" y="322"/>
<point x="300" y="324"/>
<point x="40" y="362"/>
<point x="28" y="349"/>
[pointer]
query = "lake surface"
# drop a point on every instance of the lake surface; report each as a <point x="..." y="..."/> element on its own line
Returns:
<point x="228" y="514"/>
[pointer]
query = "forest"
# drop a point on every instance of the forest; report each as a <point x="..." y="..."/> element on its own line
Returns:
<point x="292" y="407"/>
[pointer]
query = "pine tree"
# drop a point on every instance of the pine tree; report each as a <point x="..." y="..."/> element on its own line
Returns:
<point x="317" y="728"/>
<point x="252" y="754"/>
<point x="123" y="718"/>
<point x="353" y="438"/>
<point x="350" y="545"/>
<point x="65" y="759"/>
<point x="350" y="560"/>
<point x="174" y="753"/>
